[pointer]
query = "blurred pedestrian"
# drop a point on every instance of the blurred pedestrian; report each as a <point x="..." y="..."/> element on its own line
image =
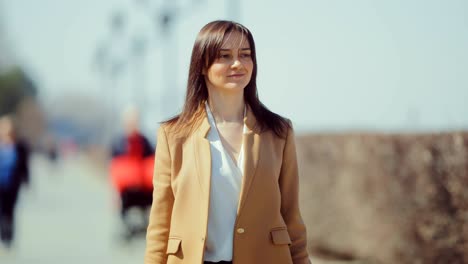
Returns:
<point x="226" y="177"/>
<point x="132" y="158"/>
<point x="132" y="141"/>
<point x="14" y="171"/>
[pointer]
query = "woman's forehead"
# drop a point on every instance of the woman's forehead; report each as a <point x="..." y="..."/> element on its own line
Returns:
<point x="235" y="40"/>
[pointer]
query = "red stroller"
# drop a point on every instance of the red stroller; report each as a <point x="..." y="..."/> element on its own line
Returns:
<point x="132" y="179"/>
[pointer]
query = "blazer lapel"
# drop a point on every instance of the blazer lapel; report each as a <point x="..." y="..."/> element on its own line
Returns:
<point x="252" y="146"/>
<point x="203" y="157"/>
<point x="252" y="143"/>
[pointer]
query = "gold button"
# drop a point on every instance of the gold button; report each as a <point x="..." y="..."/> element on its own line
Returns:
<point x="240" y="230"/>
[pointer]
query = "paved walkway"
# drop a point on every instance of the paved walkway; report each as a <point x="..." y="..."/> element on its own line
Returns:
<point x="69" y="215"/>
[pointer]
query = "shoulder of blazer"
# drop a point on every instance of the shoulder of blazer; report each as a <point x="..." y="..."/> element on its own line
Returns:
<point x="180" y="136"/>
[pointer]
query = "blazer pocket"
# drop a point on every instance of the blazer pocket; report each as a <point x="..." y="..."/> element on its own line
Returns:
<point x="173" y="245"/>
<point x="280" y="236"/>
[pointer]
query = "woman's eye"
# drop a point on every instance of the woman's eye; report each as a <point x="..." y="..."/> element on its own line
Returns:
<point x="245" y="55"/>
<point x="224" y="56"/>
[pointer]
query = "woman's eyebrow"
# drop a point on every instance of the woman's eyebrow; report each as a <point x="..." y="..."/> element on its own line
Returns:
<point x="243" y="49"/>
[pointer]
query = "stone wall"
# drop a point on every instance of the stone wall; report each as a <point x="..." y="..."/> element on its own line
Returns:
<point x="386" y="198"/>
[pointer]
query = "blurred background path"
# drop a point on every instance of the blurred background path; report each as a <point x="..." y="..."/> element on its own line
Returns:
<point x="69" y="214"/>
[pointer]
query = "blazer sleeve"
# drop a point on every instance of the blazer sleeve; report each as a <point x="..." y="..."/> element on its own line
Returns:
<point x="289" y="186"/>
<point x="161" y="209"/>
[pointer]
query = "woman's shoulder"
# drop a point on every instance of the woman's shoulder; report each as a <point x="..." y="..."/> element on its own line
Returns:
<point x="167" y="129"/>
<point x="173" y="131"/>
<point x="170" y="124"/>
<point x="276" y="123"/>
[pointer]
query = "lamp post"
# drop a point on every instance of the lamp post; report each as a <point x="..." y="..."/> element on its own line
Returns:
<point x="165" y="17"/>
<point x="113" y="59"/>
<point x="118" y="63"/>
<point x="110" y="60"/>
<point x="138" y="52"/>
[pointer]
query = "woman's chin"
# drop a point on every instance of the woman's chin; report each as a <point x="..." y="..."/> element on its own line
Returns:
<point x="233" y="87"/>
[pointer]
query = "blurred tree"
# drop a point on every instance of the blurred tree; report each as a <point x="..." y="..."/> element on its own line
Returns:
<point x="15" y="85"/>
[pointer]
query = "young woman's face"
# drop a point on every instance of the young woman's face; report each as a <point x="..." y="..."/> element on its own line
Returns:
<point x="232" y="69"/>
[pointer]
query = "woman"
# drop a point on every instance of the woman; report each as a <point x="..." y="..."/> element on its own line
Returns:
<point x="226" y="177"/>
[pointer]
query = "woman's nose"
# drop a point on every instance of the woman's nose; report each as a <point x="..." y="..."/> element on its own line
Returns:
<point x="236" y="63"/>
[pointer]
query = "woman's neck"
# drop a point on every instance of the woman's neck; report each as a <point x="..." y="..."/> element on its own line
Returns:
<point x="227" y="108"/>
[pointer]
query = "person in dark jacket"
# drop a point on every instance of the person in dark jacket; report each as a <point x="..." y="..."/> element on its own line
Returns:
<point x="14" y="172"/>
<point x="134" y="146"/>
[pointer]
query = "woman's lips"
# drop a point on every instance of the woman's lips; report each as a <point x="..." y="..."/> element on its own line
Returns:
<point x="238" y="75"/>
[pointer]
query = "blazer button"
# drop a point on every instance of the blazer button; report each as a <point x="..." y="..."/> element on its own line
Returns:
<point x="240" y="230"/>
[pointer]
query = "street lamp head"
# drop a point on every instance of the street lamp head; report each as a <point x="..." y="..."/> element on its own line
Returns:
<point x="118" y="21"/>
<point x="165" y="21"/>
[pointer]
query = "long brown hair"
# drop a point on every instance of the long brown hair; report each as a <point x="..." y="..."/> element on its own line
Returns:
<point x="204" y="52"/>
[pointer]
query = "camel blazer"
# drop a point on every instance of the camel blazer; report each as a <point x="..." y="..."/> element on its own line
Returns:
<point x="269" y="227"/>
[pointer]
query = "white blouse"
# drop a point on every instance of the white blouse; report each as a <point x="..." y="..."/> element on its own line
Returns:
<point x="226" y="181"/>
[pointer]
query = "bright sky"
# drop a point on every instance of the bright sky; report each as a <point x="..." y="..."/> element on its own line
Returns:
<point x="385" y="65"/>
